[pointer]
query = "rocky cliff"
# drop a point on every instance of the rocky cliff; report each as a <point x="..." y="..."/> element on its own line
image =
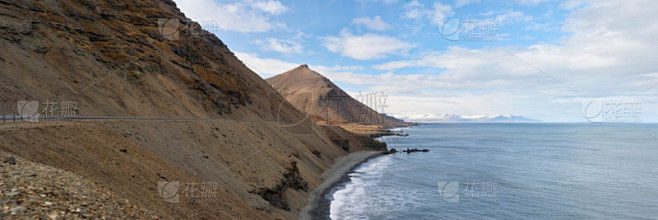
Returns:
<point x="205" y="119"/>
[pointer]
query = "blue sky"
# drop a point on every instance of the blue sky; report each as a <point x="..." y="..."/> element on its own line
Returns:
<point x="544" y="60"/>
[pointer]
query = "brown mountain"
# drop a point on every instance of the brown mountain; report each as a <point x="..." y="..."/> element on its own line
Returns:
<point x="219" y="122"/>
<point x="325" y="102"/>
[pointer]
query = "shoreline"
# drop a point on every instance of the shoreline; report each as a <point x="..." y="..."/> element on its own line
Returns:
<point x="319" y="207"/>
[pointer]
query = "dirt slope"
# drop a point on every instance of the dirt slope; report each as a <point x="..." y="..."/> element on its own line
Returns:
<point x="111" y="59"/>
<point x="325" y="102"/>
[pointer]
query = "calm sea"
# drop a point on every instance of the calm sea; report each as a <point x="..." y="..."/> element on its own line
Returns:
<point x="508" y="171"/>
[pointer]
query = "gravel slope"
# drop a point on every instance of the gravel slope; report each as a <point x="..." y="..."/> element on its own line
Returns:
<point x="35" y="191"/>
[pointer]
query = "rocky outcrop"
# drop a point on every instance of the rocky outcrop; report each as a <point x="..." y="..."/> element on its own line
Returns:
<point x="291" y="180"/>
<point x="342" y="143"/>
<point x="387" y="132"/>
<point x="373" y="144"/>
<point x="393" y="150"/>
<point x="415" y="150"/>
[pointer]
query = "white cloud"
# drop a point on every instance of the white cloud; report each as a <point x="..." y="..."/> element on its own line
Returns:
<point x="279" y="45"/>
<point x="512" y="16"/>
<point x="375" y="23"/>
<point x="272" y="7"/>
<point x="268" y="67"/>
<point x="388" y="2"/>
<point x="532" y="2"/>
<point x="241" y="16"/>
<point x="608" y="53"/>
<point x="571" y="4"/>
<point x="462" y="3"/>
<point x="265" y="67"/>
<point x="435" y="13"/>
<point x="367" y="46"/>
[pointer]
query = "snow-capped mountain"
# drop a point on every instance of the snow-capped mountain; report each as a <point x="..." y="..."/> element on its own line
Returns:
<point x="431" y="117"/>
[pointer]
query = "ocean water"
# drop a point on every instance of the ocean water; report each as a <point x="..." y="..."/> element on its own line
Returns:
<point x="508" y="171"/>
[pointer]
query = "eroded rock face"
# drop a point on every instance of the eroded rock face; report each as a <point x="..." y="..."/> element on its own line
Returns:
<point x="126" y="38"/>
<point x="342" y="143"/>
<point x="373" y="144"/>
<point x="291" y="180"/>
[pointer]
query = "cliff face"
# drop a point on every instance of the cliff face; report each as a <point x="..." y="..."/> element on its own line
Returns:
<point x="325" y="102"/>
<point x="112" y="59"/>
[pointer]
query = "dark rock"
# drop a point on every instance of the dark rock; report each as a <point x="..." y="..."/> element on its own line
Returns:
<point x="317" y="153"/>
<point x="22" y="28"/>
<point x="387" y="132"/>
<point x="123" y="150"/>
<point x="162" y="176"/>
<point x="373" y="144"/>
<point x="9" y="160"/>
<point x="291" y="179"/>
<point x="415" y="150"/>
<point x="392" y="151"/>
<point x="41" y="49"/>
<point x="344" y="143"/>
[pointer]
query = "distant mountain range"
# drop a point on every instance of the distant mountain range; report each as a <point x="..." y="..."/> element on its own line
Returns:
<point x="431" y="118"/>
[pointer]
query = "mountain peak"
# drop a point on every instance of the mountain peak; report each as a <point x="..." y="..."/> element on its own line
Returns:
<point x="316" y="95"/>
<point x="303" y="72"/>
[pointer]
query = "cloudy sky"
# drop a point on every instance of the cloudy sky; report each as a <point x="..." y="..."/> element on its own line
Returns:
<point x="541" y="59"/>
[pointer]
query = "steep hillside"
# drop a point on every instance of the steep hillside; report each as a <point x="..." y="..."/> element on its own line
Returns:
<point x="325" y="102"/>
<point x="218" y="122"/>
<point x="111" y="58"/>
